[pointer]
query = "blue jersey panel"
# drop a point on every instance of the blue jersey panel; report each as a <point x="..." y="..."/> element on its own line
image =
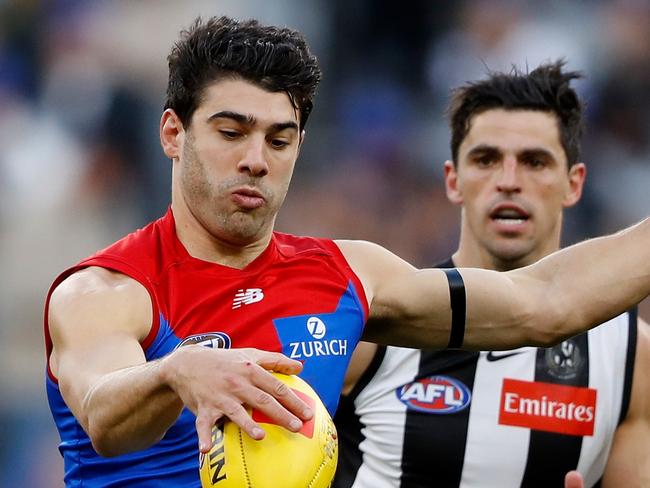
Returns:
<point x="172" y="462"/>
<point x="324" y="343"/>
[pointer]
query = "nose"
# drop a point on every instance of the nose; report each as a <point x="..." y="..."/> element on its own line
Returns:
<point x="253" y="160"/>
<point x="508" y="177"/>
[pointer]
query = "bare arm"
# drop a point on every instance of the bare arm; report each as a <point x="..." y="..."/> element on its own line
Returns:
<point x="564" y="294"/>
<point x="629" y="460"/>
<point x="124" y="403"/>
<point x="359" y="362"/>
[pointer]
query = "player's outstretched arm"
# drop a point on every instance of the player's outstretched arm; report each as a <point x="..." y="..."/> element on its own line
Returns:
<point x="97" y="319"/>
<point x="564" y="294"/>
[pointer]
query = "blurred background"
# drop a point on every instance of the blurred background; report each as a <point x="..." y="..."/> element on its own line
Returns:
<point x="81" y="91"/>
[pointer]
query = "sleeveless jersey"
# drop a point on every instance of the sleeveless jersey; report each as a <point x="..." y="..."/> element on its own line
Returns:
<point x="299" y="297"/>
<point x="425" y="418"/>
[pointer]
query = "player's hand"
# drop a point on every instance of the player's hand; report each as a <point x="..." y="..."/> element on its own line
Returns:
<point x="214" y="383"/>
<point x="573" y="479"/>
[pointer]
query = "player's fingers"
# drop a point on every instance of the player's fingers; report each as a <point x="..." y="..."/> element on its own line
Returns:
<point x="274" y="361"/>
<point x="239" y="415"/>
<point x="279" y="401"/>
<point x="573" y="479"/>
<point x="205" y="421"/>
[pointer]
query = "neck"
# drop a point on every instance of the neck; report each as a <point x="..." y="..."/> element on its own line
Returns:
<point x="472" y="254"/>
<point x="202" y="244"/>
<point x="463" y="258"/>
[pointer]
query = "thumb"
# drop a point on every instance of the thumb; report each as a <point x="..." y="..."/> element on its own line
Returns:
<point x="573" y="479"/>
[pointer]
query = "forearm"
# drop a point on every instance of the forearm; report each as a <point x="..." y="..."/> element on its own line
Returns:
<point x="564" y="294"/>
<point x="589" y="283"/>
<point x="128" y="409"/>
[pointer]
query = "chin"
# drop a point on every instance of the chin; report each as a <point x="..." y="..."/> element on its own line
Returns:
<point x="510" y="251"/>
<point x="246" y="230"/>
<point x="513" y="258"/>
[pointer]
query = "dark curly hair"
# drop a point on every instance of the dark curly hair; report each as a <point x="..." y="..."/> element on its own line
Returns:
<point x="276" y="59"/>
<point x="546" y="89"/>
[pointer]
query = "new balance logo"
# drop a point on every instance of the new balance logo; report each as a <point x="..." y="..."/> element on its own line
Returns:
<point x="247" y="296"/>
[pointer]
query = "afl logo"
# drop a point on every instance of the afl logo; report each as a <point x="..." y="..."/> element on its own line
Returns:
<point x="435" y="394"/>
<point x="215" y="340"/>
<point x="316" y="327"/>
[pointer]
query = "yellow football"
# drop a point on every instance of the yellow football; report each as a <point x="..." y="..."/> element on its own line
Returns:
<point x="305" y="459"/>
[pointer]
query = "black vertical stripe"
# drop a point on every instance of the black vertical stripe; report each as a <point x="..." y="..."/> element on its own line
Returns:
<point x="629" y="361"/>
<point x="630" y="356"/>
<point x="551" y="455"/>
<point x="348" y="427"/>
<point x="434" y="444"/>
<point x="426" y="460"/>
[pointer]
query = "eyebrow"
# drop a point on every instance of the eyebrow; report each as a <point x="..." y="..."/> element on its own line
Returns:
<point x="483" y="148"/>
<point x="249" y="120"/>
<point x="537" y="151"/>
<point x="532" y="151"/>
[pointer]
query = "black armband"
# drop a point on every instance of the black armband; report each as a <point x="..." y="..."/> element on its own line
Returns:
<point x="458" y="306"/>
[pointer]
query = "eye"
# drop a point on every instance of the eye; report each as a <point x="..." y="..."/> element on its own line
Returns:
<point x="279" y="143"/>
<point x="229" y="134"/>
<point x="485" y="161"/>
<point x="535" y="162"/>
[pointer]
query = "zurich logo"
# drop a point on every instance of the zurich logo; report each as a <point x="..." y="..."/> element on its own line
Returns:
<point x="435" y="394"/>
<point x="316" y="327"/>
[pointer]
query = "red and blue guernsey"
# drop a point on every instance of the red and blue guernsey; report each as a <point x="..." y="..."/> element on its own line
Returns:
<point x="299" y="297"/>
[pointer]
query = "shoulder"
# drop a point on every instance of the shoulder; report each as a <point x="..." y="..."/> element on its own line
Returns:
<point x="95" y="280"/>
<point x="94" y="294"/>
<point x="373" y="264"/>
<point x="365" y="254"/>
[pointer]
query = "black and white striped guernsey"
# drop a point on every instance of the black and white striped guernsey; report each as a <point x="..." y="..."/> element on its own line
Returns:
<point x="521" y="418"/>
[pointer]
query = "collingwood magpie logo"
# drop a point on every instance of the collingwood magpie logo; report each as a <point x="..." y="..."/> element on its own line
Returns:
<point x="565" y="360"/>
<point x="247" y="296"/>
<point x="320" y="345"/>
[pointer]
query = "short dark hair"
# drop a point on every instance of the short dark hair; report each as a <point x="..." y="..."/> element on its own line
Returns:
<point x="276" y="59"/>
<point x="546" y="89"/>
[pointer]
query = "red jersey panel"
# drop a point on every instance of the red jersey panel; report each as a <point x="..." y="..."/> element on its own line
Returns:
<point x="299" y="297"/>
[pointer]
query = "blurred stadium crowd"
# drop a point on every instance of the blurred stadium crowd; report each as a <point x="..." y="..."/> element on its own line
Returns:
<point x="81" y="90"/>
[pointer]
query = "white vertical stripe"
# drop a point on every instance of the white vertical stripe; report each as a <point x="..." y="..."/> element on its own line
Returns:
<point x="607" y="354"/>
<point x="495" y="455"/>
<point x="385" y="416"/>
<point x="502" y="448"/>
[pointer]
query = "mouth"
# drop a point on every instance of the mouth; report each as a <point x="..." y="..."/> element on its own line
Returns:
<point x="248" y="198"/>
<point x="509" y="215"/>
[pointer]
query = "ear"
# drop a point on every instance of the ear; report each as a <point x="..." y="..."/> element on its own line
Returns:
<point x="454" y="194"/>
<point x="172" y="134"/>
<point x="300" y="141"/>
<point x="577" y="175"/>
